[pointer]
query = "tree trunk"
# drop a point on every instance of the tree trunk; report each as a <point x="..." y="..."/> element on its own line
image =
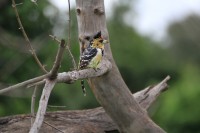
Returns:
<point x="110" y="89"/>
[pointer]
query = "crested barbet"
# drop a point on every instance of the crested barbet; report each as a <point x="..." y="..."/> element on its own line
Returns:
<point x="92" y="55"/>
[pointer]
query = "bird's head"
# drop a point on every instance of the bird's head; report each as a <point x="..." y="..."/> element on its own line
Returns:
<point x="98" y="41"/>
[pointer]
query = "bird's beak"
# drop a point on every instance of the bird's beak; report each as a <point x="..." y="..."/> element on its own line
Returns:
<point x="105" y="41"/>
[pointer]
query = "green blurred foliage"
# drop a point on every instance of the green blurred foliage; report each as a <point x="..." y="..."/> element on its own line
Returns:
<point x="185" y="39"/>
<point x="179" y="111"/>
<point x="32" y="17"/>
<point x="179" y="108"/>
<point x="141" y="61"/>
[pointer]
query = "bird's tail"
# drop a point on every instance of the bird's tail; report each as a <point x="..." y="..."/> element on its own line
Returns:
<point x="83" y="87"/>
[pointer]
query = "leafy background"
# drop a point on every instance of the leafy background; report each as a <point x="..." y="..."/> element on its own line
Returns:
<point x="141" y="60"/>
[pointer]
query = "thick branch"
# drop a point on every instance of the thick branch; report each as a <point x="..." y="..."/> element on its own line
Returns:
<point x="105" y="66"/>
<point x="85" y="121"/>
<point x="43" y="105"/>
<point x="65" y="77"/>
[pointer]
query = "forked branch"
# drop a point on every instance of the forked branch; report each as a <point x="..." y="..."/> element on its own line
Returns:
<point x="49" y="85"/>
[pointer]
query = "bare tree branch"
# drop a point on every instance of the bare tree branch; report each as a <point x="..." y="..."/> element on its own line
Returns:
<point x="26" y="38"/>
<point x="24" y="84"/>
<point x="69" y="25"/>
<point x="33" y="104"/>
<point x="64" y="77"/>
<point x="36" y="84"/>
<point x="58" y="59"/>
<point x="148" y="95"/>
<point x="55" y="38"/>
<point x="68" y="49"/>
<point x="53" y="127"/>
<point x="42" y="107"/>
<point x="104" y="67"/>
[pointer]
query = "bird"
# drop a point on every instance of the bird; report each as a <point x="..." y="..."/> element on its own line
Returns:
<point x="92" y="54"/>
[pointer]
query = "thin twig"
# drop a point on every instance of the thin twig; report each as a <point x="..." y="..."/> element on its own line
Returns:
<point x="72" y="57"/>
<point x="69" y="37"/>
<point x="56" y="66"/>
<point x="26" y="38"/>
<point x="68" y="49"/>
<point x="18" y="4"/>
<point x="69" y="25"/>
<point x="33" y="103"/>
<point x="36" y="84"/>
<point x="53" y="106"/>
<point x="53" y="127"/>
<point x="35" y="2"/>
<point x="55" y="38"/>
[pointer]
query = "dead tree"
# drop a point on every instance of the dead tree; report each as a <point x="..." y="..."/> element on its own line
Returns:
<point x="121" y="111"/>
<point x="110" y="89"/>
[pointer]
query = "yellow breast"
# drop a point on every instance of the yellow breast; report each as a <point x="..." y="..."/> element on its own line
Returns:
<point x="96" y="60"/>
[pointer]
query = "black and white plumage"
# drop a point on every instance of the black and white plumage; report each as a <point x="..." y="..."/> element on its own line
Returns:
<point x="87" y="56"/>
<point x="92" y="54"/>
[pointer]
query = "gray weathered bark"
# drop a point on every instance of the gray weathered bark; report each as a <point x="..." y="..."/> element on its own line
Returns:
<point x="110" y="89"/>
<point x="85" y="121"/>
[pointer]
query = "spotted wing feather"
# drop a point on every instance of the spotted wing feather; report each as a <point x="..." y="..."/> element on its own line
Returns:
<point x="87" y="57"/>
